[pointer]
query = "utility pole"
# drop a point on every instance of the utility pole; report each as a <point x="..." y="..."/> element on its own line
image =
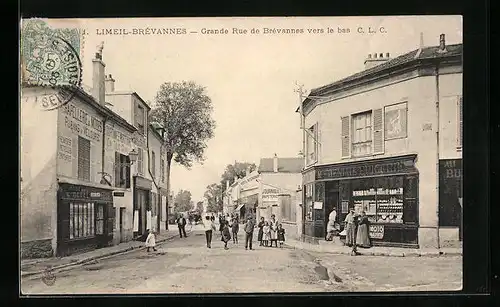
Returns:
<point x="301" y="92"/>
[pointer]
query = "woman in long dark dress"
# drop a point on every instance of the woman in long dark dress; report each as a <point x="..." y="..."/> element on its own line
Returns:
<point x="362" y="238"/>
<point x="261" y="232"/>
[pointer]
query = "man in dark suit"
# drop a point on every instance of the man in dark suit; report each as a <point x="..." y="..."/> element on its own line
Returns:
<point x="181" y="223"/>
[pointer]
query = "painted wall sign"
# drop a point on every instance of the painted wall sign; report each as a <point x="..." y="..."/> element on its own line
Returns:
<point x="65" y="149"/>
<point x="119" y="194"/>
<point x="368" y="168"/>
<point x="82" y="123"/>
<point x="117" y="140"/>
<point x="318" y="205"/>
<point x="395" y="121"/>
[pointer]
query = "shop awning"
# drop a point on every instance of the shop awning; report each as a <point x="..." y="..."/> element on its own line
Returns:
<point x="239" y="207"/>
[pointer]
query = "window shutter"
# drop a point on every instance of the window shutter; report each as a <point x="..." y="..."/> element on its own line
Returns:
<point x="117" y="168"/>
<point x="111" y="219"/>
<point x="378" y="131"/>
<point x="346" y="142"/>
<point x="127" y="172"/>
<point x="460" y="122"/>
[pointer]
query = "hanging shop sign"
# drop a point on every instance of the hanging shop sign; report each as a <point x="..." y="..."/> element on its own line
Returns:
<point x="85" y="193"/>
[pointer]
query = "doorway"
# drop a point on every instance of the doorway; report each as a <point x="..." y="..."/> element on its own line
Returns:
<point x="331" y="201"/>
<point x="122" y="221"/>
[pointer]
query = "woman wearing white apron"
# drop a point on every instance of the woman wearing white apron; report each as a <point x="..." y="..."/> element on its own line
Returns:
<point x="274" y="230"/>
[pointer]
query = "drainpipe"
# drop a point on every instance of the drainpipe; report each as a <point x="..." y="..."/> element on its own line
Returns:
<point x="103" y="153"/>
<point x="437" y="153"/>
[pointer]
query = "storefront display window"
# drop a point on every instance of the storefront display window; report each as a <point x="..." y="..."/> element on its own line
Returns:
<point x="100" y="220"/>
<point x="381" y="198"/>
<point x="81" y="220"/>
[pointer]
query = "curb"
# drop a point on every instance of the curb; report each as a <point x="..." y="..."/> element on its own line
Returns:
<point x="376" y="253"/>
<point x="83" y="261"/>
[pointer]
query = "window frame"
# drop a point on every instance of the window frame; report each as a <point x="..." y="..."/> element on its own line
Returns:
<point x="353" y="130"/>
<point x="81" y="220"/>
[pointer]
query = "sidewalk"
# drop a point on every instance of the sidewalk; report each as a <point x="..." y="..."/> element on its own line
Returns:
<point x="31" y="267"/>
<point x="339" y="249"/>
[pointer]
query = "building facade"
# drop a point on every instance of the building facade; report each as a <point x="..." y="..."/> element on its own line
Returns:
<point x="81" y="189"/>
<point x="387" y="141"/>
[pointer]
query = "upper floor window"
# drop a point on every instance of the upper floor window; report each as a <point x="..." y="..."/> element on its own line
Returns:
<point x="122" y="170"/>
<point x="83" y="159"/>
<point x="153" y="164"/>
<point x="140" y="161"/>
<point x="460" y="122"/>
<point x="312" y="144"/>
<point x="362" y="134"/>
<point x="140" y="118"/>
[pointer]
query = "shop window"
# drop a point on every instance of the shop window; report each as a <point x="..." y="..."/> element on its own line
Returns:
<point x="83" y="159"/>
<point x="81" y="220"/>
<point x="312" y="144"/>
<point x="362" y="134"/>
<point x="122" y="171"/>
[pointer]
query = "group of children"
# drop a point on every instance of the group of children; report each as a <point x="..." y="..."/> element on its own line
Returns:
<point x="271" y="231"/>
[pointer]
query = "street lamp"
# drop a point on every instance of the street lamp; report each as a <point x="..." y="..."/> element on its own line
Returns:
<point x="133" y="156"/>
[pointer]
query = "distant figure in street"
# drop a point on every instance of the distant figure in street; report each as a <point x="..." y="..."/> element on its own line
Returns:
<point x="235" y="227"/>
<point x="261" y="232"/>
<point x="249" y="226"/>
<point x="266" y="234"/>
<point x="362" y="238"/>
<point x="209" y="227"/>
<point x="281" y="235"/>
<point x="151" y="241"/>
<point x="350" y="228"/>
<point x="226" y="235"/>
<point x="221" y="223"/>
<point x="273" y="224"/>
<point x="181" y="223"/>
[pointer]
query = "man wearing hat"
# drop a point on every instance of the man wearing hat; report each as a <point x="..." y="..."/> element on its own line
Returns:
<point x="249" y="226"/>
<point x="350" y="228"/>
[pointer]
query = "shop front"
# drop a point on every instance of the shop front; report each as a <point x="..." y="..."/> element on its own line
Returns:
<point x="86" y="218"/>
<point x="385" y="189"/>
<point x="248" y="206"/>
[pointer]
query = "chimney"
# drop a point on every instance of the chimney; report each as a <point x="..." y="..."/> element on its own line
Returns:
<point x="376" y="59"/>
<point x="275" y="163"/>
<point x="110" y="84"/>
<point x="98" y="86"/>
<point x="442" y="43"/>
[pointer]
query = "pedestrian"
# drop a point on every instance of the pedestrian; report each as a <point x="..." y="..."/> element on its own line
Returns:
<point x="261" y="232"/>
<point x="350" y="228"/>
<point x="181" y="224"/>
<point x="362" y="238"/>
<point x="226" y="235"/>
<point x="249" y="227"/>
<point x="266" y="234"/>
<point x="209" y="227"/>
<point x="221" y="223"/>
<point x="235" y="227"/>
<point x="281" y="235"/>
<point x="273" y="225"/>
<point x="151" y="241"/>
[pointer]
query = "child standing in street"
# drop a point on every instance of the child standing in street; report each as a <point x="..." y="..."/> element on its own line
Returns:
<point x="281" y="235"/>
<point x="235" y="227"/>
<point x="151" y="241"/>
<point x="226" y="235"/>
<point x="266" y="234"/>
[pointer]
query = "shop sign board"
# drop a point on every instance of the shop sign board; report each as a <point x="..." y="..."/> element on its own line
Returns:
<point x="377" y="231"/>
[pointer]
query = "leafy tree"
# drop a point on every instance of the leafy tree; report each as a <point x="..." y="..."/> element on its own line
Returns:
<point x="237" y="169"/>
<point x="213" y="194"/>
<point x="199" y="207"/>
<point x="183" y="201"/>
<point x="184" y="111"/>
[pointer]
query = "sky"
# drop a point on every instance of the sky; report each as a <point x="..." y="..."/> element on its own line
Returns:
<point x="250" y="78"/>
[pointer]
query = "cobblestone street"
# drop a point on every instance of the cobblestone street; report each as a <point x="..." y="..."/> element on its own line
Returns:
<point x="187" y="266"/>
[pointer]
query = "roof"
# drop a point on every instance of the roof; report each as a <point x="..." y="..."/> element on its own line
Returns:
<point x="414" y="56"/>
<point x="285" y="165"/>
<point x="97" y="106"/>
